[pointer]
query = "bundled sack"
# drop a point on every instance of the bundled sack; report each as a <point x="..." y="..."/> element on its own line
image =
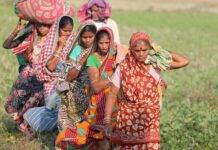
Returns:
<point x="43" y="11"/>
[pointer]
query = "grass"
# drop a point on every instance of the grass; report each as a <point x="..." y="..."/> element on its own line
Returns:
<point x="189" y="116"/>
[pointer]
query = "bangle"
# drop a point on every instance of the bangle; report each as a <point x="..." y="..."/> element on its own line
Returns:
<point x="107" y="118"/>
<point x="13" y="34"/>
<point x="56" y="55"/>
<point x="109" y="79"/>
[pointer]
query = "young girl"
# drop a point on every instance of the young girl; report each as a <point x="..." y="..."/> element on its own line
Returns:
<point x="56" y="48"/>
<point x="74" y="101"/>
<point x="100" y="67"/>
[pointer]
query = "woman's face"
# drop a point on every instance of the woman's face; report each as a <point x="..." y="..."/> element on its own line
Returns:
<point x="42" y="29"/>
<point x="66" y="31"/>
<point x="94" y="12"/>
<point x="104" y="44"/>
<point x="87" y="39"/>
<point x="140" y="51"/>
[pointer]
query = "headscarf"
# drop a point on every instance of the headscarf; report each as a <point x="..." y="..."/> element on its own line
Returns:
<point x="137" y="37"/>
<point x="78" y="36"/>
<point x="157" y="57"/>
<point x="84" y="12"/>
<point x="111" y="37"/>
<point x="108" y="65"/>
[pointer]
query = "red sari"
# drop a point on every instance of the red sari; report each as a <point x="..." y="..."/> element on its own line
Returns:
<point x="139" y="109"/>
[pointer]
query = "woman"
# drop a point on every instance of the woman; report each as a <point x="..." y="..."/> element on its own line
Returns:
<point x="27" y="90"/>
<point x="57" y="46"/>
<point x="99" y="11"/>
<point x="100" y="67"/>
<point x="74" y="101"/>
<point x="138" y="100"/>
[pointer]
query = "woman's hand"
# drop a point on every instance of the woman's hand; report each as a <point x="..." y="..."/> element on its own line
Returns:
<point x="178" y="61"/>
<point x="18" y="27"/>
<point x="61" y="43"/>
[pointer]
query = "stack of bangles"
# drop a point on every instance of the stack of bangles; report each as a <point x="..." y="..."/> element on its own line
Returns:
<point x="107" y="118"/>
<point x="14" y="34"/>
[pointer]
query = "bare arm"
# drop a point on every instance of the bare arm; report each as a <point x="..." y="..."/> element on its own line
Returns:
<point x="53" y="60"/>
<point x="110" y="101"/>
<point x="73" y="73"/>
<point x="178" y="61"/>
<point x="11" y="42"/>
<point x="97" y="83"/>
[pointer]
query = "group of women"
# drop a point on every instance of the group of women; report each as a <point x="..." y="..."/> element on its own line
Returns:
<point x="97" y="94"/>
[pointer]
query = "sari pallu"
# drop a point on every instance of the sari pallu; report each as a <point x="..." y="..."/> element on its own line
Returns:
<point x="138" y="106"/>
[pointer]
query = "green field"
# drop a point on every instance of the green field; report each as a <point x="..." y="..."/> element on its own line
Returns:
<point x="189" y="119"/>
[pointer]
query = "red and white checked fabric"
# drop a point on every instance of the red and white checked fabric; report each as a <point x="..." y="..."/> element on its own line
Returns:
<point x="43" y="74"/>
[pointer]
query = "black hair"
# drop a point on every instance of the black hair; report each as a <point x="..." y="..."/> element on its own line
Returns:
<point x="89" y="28"/>
<point x="101" y="34"/>
<point x="65" y="20"/>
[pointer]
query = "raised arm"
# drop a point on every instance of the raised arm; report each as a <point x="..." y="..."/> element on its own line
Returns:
<point x="178" y="61"/>
<point x="73" y="73"/>
<point x="53" y="60"/>
<point x="12" y="41"/>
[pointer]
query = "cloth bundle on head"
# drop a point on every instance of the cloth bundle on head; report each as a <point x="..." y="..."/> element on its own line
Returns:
<point x="43" y="11"/>
<point x="84" y="12"/>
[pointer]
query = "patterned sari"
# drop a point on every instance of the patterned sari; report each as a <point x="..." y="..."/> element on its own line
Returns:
<point x="74" y="101"/>
<point x="82" y="133"/>
<point x="138" y="105"/>
<point x="27" y="90"/>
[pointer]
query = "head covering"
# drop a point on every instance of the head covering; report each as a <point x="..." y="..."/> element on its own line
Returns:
<point x="157" y="56"/>
<point x="78" y="37"/>
<point x="111" y="37"/>
<point x="137" y="37"/>
<point x="84" y="12"/>
<point x="47" y="51"/>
